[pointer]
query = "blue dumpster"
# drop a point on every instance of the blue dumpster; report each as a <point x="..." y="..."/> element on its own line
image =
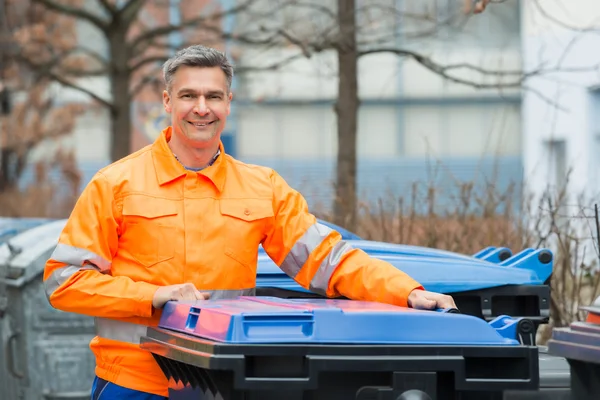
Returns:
<point x="491" y="283"/>
<point x="580" y="345"/>
<point x="270" y="348"/>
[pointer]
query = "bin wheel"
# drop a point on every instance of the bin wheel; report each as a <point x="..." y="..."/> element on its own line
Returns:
<point x="414" y="395"/>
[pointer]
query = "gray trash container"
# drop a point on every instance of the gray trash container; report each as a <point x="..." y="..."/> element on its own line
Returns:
<point x="555" y="380"/>
<point x="44" y="353"/>
<point x="10" y="227"/>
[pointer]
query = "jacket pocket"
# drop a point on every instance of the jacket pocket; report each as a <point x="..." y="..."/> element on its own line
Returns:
<point x="246" y="209"/>
<point x="150" y="226"/>
<point x="245" y="224"/>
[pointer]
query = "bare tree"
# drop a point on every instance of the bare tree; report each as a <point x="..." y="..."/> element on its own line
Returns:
<point x="30" y="113"/>
<point x="138" y="36"/>
<point x="353" y="30"/>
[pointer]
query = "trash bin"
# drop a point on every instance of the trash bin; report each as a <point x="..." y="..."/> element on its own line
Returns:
<point x="580" y="345"/>
<point x="10" y="227"/>
<point x="44" y="352"/>
<point x="316" y="349"/>
<point x="517" y="286"/>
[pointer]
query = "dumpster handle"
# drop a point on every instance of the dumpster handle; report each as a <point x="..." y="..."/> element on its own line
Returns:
<point x="10" y="355"/>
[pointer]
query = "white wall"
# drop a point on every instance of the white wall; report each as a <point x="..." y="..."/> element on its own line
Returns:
<point x="572" y="53"/>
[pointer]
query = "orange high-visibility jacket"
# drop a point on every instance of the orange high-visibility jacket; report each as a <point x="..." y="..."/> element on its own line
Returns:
<point x="145" y="221"/>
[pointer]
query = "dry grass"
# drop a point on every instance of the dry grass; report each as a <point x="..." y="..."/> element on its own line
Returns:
<point x="466" y="225"/>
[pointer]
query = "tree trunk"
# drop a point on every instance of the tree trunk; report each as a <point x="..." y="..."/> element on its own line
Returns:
<point x="120" y="115"/>
<point x="5" y="181"/>
<point x="347" y="117"/>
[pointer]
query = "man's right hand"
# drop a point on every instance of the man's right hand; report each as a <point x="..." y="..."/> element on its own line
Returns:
<point x="184" y="291"/>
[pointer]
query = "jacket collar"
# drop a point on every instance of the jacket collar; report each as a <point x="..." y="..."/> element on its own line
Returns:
<point x="168" y="168"/>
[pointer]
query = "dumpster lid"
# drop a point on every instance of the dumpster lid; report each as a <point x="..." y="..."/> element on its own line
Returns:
<point x="25" y="254"/>
<point x="580" y="341"/>
<point x="10" y="227"/>
<point x="275" y="320"/>
<point x="436" y="273"/>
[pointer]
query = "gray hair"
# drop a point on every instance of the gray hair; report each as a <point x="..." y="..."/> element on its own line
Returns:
<point x="197" y="56"/>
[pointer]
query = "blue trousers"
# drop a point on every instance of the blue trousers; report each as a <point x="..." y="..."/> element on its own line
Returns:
<point x="103" y="390"/>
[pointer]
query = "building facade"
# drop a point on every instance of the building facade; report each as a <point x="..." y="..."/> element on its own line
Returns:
<point x="414" y="125"/>
<point x="561" y="107"/>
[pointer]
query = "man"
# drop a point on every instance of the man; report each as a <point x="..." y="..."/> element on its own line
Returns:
<point x="182" y="220"/>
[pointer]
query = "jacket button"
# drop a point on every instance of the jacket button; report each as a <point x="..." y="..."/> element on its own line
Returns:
<point x="247" y="212"/>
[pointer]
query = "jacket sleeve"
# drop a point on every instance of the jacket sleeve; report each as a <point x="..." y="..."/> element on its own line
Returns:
<point x="77" y="277"/>
<point x="318" y="259"/>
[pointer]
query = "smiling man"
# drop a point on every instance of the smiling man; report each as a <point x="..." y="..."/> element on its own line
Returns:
<point x="198" y="100"/>
<point x="183" y="220"/>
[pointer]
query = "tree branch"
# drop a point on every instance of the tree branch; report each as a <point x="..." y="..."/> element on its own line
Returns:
<point x="246" y="38"/>
<point x="90" y="53"/>
<point x="65" y="82"/>
<point x="318" y="7"/>
<point x="545" y="98"/>
<point x="165" y="30"/>
<point x="147" y="60"/>
<point x="82" y="73"/>
<point x="443" y="70"/>
<point x="130" y="11"/>
<point x="562" y="24"/>
<point x="148" y="79"/>
<point x="271" y="67"/>
<point x="74" y="12"/>
<point x="304" y="47"/>
<point x="108" y="6"/>
<point x="57" y="59"/>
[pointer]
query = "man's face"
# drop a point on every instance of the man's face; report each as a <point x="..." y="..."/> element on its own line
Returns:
<point x="199" y="104"/>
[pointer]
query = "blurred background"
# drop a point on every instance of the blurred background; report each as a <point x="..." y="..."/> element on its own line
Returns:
<point x="406" y="121"/>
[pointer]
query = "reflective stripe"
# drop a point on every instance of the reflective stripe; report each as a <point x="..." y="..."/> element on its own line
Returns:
<point x="320" y="281"/>
<point x="120" y="331"/>
<point x="60" y="276"/>
<point x="79" y="257"/>
<point x="132" y="333"/>
<point x="301" y="250"/>
<point x="77" y="260"/>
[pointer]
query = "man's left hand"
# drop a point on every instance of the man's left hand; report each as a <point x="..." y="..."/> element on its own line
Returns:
<point x="422" y="299"/>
